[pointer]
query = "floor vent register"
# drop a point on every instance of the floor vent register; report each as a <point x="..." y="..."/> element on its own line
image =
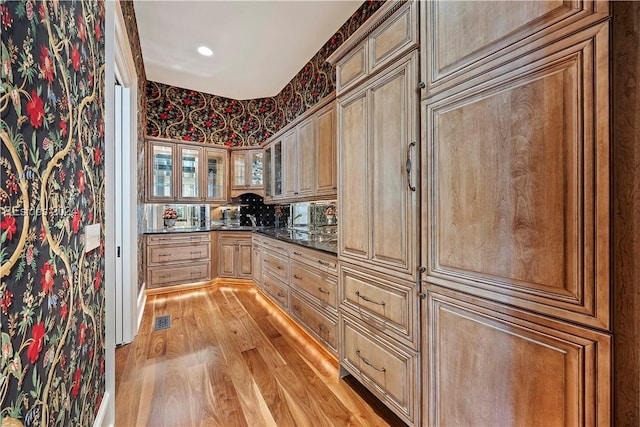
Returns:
<point x="162" y="322"/>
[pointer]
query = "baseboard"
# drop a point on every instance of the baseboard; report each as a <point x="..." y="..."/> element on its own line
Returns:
<point x="102" y="412"/>
<point x="142" y="299"/>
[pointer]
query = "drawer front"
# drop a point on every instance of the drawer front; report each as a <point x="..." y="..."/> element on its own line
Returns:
<point x="177" y="238"/>
<point x="319" y="285"/>
<point x="315" y="259"/>
<point x="277" y="291"/>
<point x="163" y="254"/>
<point x="387" y="304"/>
<point x="394" y="37"/>
<point x="352" y="68"/>
<point x="256" y="240"/>
<point x="276" y="245"/>
<point x="389" y="371"/>
<point x="324" y="328"/>
<point x="276" y="265"/>
<point x="159" y="276"/>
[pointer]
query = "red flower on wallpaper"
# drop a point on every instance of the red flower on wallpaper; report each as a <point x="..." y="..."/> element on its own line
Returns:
<point x="97" y="280"/>
<point x="5" y="301"/>
<point x="97" y="29"/>
<point x="63" y="128"/>
<point x="164" y="116"/>
<point x="8" y="224"/>
<point x="63" y="310"/>
<point x="47" y="277"/>
<point x="82" y="333"/>
<point x="77" y="377"/>
<point x="43" y="12"/>
<point x="7" y="20"/>
<point x="35" y="109"/>
<point x="81" y="181"/>
<point x="97" y="156"/>
<point x="46" y="64"/>
<point x="82" y="33"/>
<point x="43" y="234"/>
<point x="75" y="58"/>
<point x="37" y="334"/>
<point x="75" y="222"/>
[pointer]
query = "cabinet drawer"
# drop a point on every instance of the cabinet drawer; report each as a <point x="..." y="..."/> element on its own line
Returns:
<point x="275" y="289"/>
<point x="158" y="276"/>
<point x="319" y="285"/>
<point x="315" y="259"/>
<point x="276" y="265"/>
<point x="276" y="245"/>
<point x="394" y="37"/>
<point x="256" y="240"/>
<point x="164" y="254"/>
<point x="177" y="238"/>
<point x="353" y="68"/>
<point x="385" y="303"/>
<point x="390" y="371"/>
<point x="320" y="325"/>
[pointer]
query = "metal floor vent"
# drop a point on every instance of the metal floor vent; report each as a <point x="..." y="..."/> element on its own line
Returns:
<point x="162" y="322"/>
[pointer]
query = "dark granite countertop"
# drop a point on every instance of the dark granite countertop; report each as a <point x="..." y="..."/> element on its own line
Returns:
<point x="201" y="229"/>
<point x="323" y="242"/>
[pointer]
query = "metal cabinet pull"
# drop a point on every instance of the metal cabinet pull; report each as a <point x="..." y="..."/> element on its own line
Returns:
<point x="408" y="166"/>
<point x="297" y="253"/>
<point x="164" y="255"/>
<point x="323" y="291"/>
<point x="367" y="362"/>
<point x="325" y="263"/>
<point x="368" y="299"/>
<point x="295" y="276"/>
<point x="281" y="295"/>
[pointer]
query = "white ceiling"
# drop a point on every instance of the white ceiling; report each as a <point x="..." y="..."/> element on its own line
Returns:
<point x="258" y="46"/>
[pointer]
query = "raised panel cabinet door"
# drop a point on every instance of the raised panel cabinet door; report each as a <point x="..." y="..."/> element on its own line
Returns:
<point x="393" y="168"/>
<point x="289" y="164"/>
<point x="472" y="39"/>
<point x="244" y="260"/>
<point x="306" y="159"/>
<point x="487" y="364"/>
<point x="227" y="259"/>
<point x="189" y="173"/>
<point x="326" y="146"/>
<point x="215" y="178"/>
<point x="239" y="170"/>
<point x="256" y="268"/>
<point x="517" y="207"/>
<point x="160" y="175"/>
<point x="268" y="172"/>
<point x="353" y="178"/>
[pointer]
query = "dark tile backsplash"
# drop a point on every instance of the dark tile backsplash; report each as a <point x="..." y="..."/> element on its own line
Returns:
<point x="252" y="204"/>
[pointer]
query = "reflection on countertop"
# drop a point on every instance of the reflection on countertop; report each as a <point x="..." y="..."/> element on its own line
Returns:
<point x="326" y="241"/>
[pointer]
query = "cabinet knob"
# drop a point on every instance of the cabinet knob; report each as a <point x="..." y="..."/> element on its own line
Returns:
<point x="421" y="85"/>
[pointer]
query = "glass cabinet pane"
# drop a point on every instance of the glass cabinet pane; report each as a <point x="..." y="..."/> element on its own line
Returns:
<point x="215" y="174"/>
<point x="277" y="168"/>
<point x="267" y="173"/>
<point x="239" y="169"/>
<point x="256" y="169"/>
<point x="162" y="171"/>
<point x="189" y="172"/>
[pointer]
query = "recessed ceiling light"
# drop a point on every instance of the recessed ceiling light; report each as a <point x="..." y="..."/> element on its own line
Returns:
<point x="203" y="50"/>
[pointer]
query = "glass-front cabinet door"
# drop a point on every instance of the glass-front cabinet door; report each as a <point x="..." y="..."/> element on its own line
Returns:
<point x="160" y="183"/>
<point x="268" y="174"/>
<point x="277" y="169"/>
<point x="256" y="160"/>
<point x="216" y="172"/>
<point x="189" y="175"/>
<point x="238" y="170"/>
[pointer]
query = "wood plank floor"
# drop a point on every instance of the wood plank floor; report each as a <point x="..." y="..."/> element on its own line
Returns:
<point x="230" y="358"/>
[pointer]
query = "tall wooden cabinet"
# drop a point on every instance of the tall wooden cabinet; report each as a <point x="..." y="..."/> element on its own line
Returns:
<point x="515" y="213"/>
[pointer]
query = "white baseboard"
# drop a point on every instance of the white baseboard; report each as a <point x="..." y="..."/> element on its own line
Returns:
<point x="142" y="299"/>
<point x="102" y="412"/>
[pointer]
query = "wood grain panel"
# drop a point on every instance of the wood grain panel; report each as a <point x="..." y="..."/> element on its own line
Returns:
<point x="353" y="179"/>
<point x="306" y="157"/>
<point x="353" y="68"/>
<point x="537" y="371"/>
<point x="394" y="37"/>
<point x="519" y="183"/>
<point x="625" y="207"/>
<point x="464" y="39"/>
<point x="318" y="285"/>
<point x="320" y="325"/>
<point x="177" y="253"/>
<point x="185" y="273"/>
<point x="326" y="148"/>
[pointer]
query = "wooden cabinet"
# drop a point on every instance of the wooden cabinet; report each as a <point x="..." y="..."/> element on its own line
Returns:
<point x="185" y="173"/>
<point x="290" y="164"/>
<point x="273" y="170"/>
<point x="377" y="194"/>
<point x="256" y="259"/>
<point x="306" y="157"/>
<point x="178" y="258"/>
<point x="326" y="167"/>
<point x="234" y="255"/>
<point x="247" y="171"/>
<point x="529" y="369"/>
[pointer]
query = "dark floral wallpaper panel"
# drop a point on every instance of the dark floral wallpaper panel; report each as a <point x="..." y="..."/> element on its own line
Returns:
<point x="188" y="115"/>
<point x="52" y="302"/>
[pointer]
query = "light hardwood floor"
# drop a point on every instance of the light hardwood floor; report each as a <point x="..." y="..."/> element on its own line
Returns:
<point x="230" y="358"/>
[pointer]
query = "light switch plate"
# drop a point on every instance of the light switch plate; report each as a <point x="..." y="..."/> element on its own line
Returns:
<point x="91" y="237"/>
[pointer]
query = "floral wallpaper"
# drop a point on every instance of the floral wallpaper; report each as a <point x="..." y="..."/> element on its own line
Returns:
<point x="52" y="302"/>
<point x="188" y="115"/>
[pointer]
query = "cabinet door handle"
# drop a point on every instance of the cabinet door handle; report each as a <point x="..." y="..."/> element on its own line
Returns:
<point x="295" y="276"/>
<point x="165" y="276"/>
<point x="325" y="263"/>
<point x="408" y="166"/>
<point x="164" y="255"/>
<point x="297" y="253"/>
<point x="281" y="295"/>
<point x="367" y="362"/>
<point x="196" y="253"/>
<point x="367" y="299"/>
<point x="322" y="291"/>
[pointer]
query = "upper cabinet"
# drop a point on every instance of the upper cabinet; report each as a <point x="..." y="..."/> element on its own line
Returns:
<point x="185" y="173"/>
<point x="300" y="162"/>
<point x="247" y="168"/>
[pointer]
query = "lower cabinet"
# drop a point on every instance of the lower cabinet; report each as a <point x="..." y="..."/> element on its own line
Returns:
<point x="177" y="258"/>
<point x="321" y="324"/>
<point x="256" y="259"/>
<point x="234" y="255"/>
